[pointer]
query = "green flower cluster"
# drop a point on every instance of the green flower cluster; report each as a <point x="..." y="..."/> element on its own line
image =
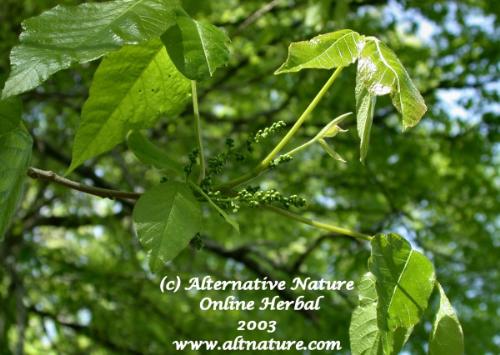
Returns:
<point x="254" y="197"/>
<point x="280" y="160"/>
<point x="193" y="156"/>
<point x="264" y="133"/>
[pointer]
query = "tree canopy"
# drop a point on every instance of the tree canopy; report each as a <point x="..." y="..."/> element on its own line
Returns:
<point x="188" y="106"/>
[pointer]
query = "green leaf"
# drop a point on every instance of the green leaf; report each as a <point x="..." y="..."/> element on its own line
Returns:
<point x="148" y="153"/>
<point x="219" y="210"/>
<point x="326" y="51"/>
<point x="131" y="88"/>
<point x="166" y="218"/>
<point x="330" y="151"/>
<point x="10" y="114"/>
<point x="365" y="335"/>
<point x="332" y="128"/>
<point x="66" y="35"/>
<point x="381" y="73"/>
<point x="405" y="279"/>
<point x="365" y="105"/>
<point x="447" y="337"/>
<point x="15" y="156"/>
<point x="196" y="48"/>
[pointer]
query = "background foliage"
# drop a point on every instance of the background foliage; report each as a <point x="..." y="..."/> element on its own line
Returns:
<point x="74" y="279"/>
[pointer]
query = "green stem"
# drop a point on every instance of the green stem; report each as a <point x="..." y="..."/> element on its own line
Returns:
<point x="302" y="146"/>
<point x="321" y="134"/>
<point x="301" y="119"/>
<point x="269" y="158"/>
<point x="320" y="225"/>
<point x="197" y="128"/>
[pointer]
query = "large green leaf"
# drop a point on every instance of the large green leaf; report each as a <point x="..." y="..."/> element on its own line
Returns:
<point x="405" y="279"/>
<point x="150" y="154"/>
<point x="196" y="48"/>
<point x="66" y="35"/>
<point x="365" y="335"/>
<point x="381" y="73"/>
<point x="15" y="156"/>
<point x="326" y="51"/>
<point x="166" y="218"/>
<point x="365" y="105"/>
<point x="10" y="114"/>
<point x="447" y="337"/>
<point x="131" y="88"/>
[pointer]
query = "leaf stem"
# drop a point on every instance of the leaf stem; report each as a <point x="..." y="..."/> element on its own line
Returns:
<point x="197" y="128"/>
<point x="263" y="165"/>
<point x="319" y="225"/>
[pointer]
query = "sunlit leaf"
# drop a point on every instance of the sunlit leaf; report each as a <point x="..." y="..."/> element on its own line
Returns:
<point x="166" y="218"/>
<point x="447" y="337"/>
<point x="131" y="88"/>
<point x="66" y="35"/>
<point x="365" y="335"/>
<point x="365" y="105"/>
<point x="381" y="73"/>
<point x="196" y="48"/>
<point x="326" y="51"/>
<point x="405" y="279"/>
<point x="15" y="156"/>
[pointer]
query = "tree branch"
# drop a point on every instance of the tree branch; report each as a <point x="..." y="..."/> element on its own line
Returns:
<point x="96" y="191"/>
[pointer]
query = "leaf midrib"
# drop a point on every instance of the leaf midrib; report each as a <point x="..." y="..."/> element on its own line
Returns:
<point x="167" y="223"/>
<point x="329" y="47"/>
<point x="382" y="58"/>
<point x="399" y="278"/>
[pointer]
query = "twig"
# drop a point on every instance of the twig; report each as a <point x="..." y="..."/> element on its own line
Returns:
<point x="258" y="14"/>
<point x="96" y="191"/>
<point x="319" y="225"/>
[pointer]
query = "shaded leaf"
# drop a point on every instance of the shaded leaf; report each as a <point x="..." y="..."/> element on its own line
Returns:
<point x="10" y="114"/>
<point x="365" y="335"/>
<point x="131" y="88"/>
<point x="447" y="337"/>
<point x="148" y="153"/>
<point x="166" y="218"/>
<point x="196" y="48"/>
<point x="15" y="156"/>
<point x="381" y="73"/>
<point x="326" y="51"/>
<point x="405" y="279"/>
<point x="365" y="105"/>
<point x="66" y="35"/>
